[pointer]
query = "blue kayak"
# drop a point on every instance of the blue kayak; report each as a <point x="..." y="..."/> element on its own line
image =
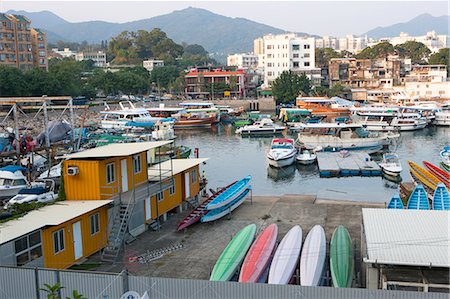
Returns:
<point x="230" y="194"/>
<point x="225" y="210"/>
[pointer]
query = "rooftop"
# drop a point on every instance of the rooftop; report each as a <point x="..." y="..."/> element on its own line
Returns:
<point x="179" y="165"/>
<point x="407" y="237"/>
<point x="54" y="214"/>
<point x="117" y="150"/>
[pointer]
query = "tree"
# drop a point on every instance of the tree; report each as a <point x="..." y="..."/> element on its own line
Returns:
<point x="164" y="75"/>
<point x="417" y="51"/>
<point x="441" y="57"/>
<point x="380" y="50"/>
<point x="323" y="56"/>
<point x="52" y="290"/>
<point x="288" y="86"/>
<point x="194" y="50"/>
<point x="12" y="82"/>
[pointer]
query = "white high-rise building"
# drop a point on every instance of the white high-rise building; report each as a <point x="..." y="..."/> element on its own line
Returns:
<point x="286" y="52"/>
<point x="433" y="41"/>
<point x="243" y="61"/>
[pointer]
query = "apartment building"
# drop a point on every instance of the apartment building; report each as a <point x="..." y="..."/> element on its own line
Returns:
<point x="286" y="52"/>
<point x="433" y="41"/>
<point x="65" y="53"/>
<point x="98" y="57"/>
<point x="150" y="64"/>
<point x="19" y="43"/>
<point x="243" y="60"/>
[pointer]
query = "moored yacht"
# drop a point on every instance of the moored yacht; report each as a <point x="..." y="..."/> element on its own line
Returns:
<point x="442" y="116"/>
<point x="391" y="164"/>
<point x="264" y="126"/>
<point x="282" y="152"/>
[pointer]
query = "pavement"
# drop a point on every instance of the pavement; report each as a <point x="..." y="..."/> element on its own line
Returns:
<point x="202" y="243"/>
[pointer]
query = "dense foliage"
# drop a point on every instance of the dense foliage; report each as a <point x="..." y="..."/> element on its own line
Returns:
<point x="418" y="52"/>
<point x="441" y="57"/>
<point x="288" y="86"/>
<point x="380" y="50"/>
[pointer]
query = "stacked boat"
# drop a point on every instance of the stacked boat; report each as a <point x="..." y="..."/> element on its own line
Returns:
<point x="247" y="259"/>
<point x="418" y="200"/>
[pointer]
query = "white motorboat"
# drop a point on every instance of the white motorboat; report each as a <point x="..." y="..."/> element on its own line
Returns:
<point x="338" y="136"/>
<point x="264" y="126"/>
<point x="12" y="180"/>
<point x="442" y="116"/>
<point x="54" y="173"/>
<point x="391" y="164"/>
<point x="306" y="157"/>
<point x="282" y="152"/>
<point x="44" y="193"/>
<point x="445" y="156"/>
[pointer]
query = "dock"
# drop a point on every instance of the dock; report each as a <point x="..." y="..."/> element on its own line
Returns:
<point x="355" y="164"/>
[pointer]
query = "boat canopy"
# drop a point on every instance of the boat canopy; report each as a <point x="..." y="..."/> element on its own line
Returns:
<point x="13" y="168"/>
<point x="343" y="102"/>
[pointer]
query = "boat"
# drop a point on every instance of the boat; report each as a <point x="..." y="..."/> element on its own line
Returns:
<point x="240" y="122"/>
<point x="323" y="105"/>
<point x="225" y="210"/>
<point x="306" y="157"/>
<point x="196" y="214"/>
<point x="193" y="120"/>
<point x="54" y="173"/>
<point x="231" y="258"/>
<point x="341" y="258"/>
<point x="442" y="175"/>
<point x="34" y="194"/>
<point x="442" y="116"/>
<point x="445" y="156"/>
<point x="230" y="194"/>
<point x="264" y="126"/>
<point x="338" y="136"/>
<point x="312" y="259"/>
<point x="282" y="152"/>
<point x="258" y="257"/>
<point x="423" y="176"/>
<point x="391" y="164"/>
<point x="441" y="198"/>
<point x="395" y="202"/>
<point x="418" y="200"/>
<point x="285" y="259"/>
<point x="126" y="117"/>
<point x="12" y="180"/>
<point x="444" y="167"/>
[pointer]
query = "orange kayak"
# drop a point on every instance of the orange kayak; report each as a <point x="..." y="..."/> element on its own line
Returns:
<point x="258" y="257"/>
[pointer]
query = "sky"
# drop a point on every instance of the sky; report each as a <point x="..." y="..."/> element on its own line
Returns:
<point x="335" y="18"/>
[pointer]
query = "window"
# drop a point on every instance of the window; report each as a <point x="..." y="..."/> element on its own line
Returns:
<point x="137" y="164"/>
<point x="28" y="248"/>
<point x="306" y="46"/>
<point x="306" y="55"/>
<point x="20" y="182"/>
<point x="194" y="176"/>
<point x="160" y="196"/>
<point x="295" y="47"/>
<point x="110" y="173"/>
<point x="306" y="63"/>
<point x="295" y="63"/>
<point x="172" y="190"/>
<point x="95" y="223"/>
<point x="295" y="55"/>
<point x="42" y="53"/>
<point x="58" y="241"/>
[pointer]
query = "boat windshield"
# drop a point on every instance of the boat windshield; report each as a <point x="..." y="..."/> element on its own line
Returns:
<point x="277" y="146"/>
<point x="5" y="182"/>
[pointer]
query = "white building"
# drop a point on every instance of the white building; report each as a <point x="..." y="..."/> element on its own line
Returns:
<point x="327" y="42"/>
<point x="150" y="64"/>
<point x="352" y="43"/>
<point x="98" y="57"/>
<point x="286" y="52"/>
<point x="66" y="53"/>
<point x="243" y="61"/>
<point x="433" y="41"/>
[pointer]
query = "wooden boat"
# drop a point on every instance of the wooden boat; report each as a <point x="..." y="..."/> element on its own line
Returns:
<point x="188" y="121"/>
<point x="230" y="194"/>
<point x="441" y="198"/>
<point x="285" y="259"/>
<point x="232" y="256"/>
<point x="443" y="176"/>
<point x="312" y="260"/>
<point x="423" y="176"/>
<point x="418" y="200"/>
<point x="258" y="257"/>
<point x="341" y="258"/>
<point x="322" y="105"/>
<point x="222" y="211"/>
<point x="395" y="202"/>
<point x="199" y="211"/>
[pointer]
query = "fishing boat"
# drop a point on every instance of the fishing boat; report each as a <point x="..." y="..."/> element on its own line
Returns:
<point x="418" y="200"/>
<point x="282" y="152"/>
<point x="193" y="120"/>
<point x="312" y="259"/>
<point x="230" y="194"/>
<point x="285" y="259"/>
<point x="231" y="258"/>
<point x="199" y="211"/>
<point x="225" y="210"/>
<point x="341" y="258"/>
<point x="306" y="157"/>
<point x="258" y="257"/>
<point x="445" y="156"/>
<point x="391" y="164"/>
<point x="441" y="198"/>
<point x="442" y="175"/>
<point x="395" y="202"/>
<point x="264" y="126"/>
<point x="337" y="136"/>
<point x="126" y="117"/>
<point x="423" y="176"/>
<point x="323" y="105"/>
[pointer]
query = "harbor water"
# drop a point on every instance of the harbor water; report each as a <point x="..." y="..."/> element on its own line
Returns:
<point x="232" y="157"/>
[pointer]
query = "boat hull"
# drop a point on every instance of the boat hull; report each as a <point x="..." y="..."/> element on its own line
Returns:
<point x="194" y="123"/>
<point x="441" y="198"/>
<point x="282" y="162"/>
<point x="225" y="210"/>
<point x="325" y="142"/>
<point x="312" y="260"/>
<point x="395" y="203"/>
<point x="341" y="258"/>
<point x="443" y="176"/>
<point x="418" y="200"/>
<point x="230" y="194"/>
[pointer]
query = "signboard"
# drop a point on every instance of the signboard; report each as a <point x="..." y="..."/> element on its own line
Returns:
<point x="226" y="93"/>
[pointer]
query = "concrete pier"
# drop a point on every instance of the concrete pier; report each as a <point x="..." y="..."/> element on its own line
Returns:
<point x="355" y="164"/>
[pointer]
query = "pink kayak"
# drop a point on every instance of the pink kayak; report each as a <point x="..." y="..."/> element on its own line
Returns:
<point x="258" y="257"/>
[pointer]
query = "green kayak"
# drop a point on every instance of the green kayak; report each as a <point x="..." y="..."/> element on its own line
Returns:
<point x="341" y="258"/>
<point x="234" y="253"/>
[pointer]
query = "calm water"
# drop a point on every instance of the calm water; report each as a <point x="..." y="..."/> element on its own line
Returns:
<point x="233" y="157"/>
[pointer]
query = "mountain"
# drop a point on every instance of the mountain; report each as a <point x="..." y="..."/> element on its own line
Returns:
<point x="216" y="33"/>
<point x="420" y="25"/>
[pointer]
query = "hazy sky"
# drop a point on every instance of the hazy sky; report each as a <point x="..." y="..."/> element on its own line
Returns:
<point x="318" y="17"/>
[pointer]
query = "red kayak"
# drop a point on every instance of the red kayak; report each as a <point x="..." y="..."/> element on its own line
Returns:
<point x="258" y="257"/>
<point x="443" y="176"/>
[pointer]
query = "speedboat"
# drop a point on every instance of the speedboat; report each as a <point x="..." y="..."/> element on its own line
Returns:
<point x="12" y="180"/>
<point x="282" y="152"/>
<point x="391" y="164"/>
<point x="264" y="126"/>
<point x="445" y="156"/>
<point x="306" y="157"/>
<point x="442" y="116"/>
<point x="44" y="193"/>
<point x="54" y="173"/>
<point x="127" y="118"/>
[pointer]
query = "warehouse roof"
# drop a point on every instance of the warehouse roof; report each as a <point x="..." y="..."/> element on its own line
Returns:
<point x="177" y="165"/>
<point x="54" y="214"/>
<point x="117" y="150"/>
<point x="407" y="237"/>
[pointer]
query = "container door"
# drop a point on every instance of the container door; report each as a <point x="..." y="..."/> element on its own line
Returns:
<point x="187" y="184"/>
<point x="124" y="170"/>
<point x="77" y="240"/>
<point x="148" y="208"/>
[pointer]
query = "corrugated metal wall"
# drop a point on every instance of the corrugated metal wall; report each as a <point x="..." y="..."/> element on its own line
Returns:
<point x="21" y="283"/>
